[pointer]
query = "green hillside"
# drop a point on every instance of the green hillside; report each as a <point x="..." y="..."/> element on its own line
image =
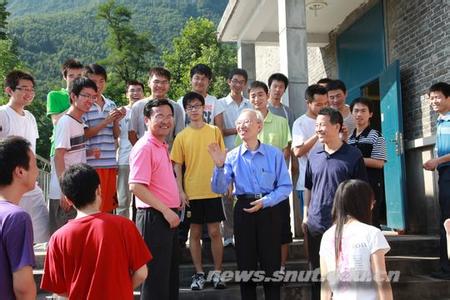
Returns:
<point x="50" y="31"/>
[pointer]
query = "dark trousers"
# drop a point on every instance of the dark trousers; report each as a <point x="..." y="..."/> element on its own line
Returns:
<point x="444" y="203"/>
<point x="314" y="240"/>
<point x="163" y="270"/>
<point x="257" y="239"/>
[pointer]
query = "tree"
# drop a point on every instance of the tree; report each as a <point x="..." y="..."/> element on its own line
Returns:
<point x="130" y="52"/>
<point x="197" y="43"/>
<point x="3" y="23"/>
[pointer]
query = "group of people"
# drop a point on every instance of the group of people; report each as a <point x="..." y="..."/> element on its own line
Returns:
<point x="194" y="167"/>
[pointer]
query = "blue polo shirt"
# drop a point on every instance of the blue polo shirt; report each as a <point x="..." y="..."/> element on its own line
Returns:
<point x="443" y="137"/>
<point x="324" y="173"/>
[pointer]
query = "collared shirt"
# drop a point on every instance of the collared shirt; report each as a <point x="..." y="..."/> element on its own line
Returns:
<point x="443" y="137"/>
<point x="104" y="139"/>
<point x="275" y="132"/>
<point x="283" y="111"/>
<point x="253" y="172"/>
<point x="150" y="165"/>
<point x="230" y="115"/>
<point x="137" y="123"/>
<point x="324" y="173"/>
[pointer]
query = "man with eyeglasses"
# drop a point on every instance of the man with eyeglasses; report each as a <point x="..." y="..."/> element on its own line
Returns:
<point x="15" y="120"/>
<point x="234" y="103"/>
<point x="190" y="150"/>
<point x="261" y="182"/>
<point x="159" y="84"/>
<point x="70" y="147"/>
<point x="153" y="182"/>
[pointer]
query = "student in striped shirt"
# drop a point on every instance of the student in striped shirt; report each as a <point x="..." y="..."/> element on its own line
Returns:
<point x="102" y="130"/>
<point x="373" y="148"/>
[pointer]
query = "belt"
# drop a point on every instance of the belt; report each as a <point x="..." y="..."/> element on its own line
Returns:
<point x="250" y="196"/>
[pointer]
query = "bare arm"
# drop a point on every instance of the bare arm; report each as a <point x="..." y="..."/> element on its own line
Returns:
<point x="229" y="131"/>
<point x="218" y="121"/>
<point x="139" y="276"/>
<point x="116" y="129"/>
<point x="92" y="131"/>
<point x="179" y="174"/>
<point x="325" y="291"/>
<point x="379" y="272"/>
<point x="374" y="163"/>
<point x="299" y="151"/>
<point x="306" y="199"/>
<point x="432" y="164"/>
<point x="59" y="161"/>
<point x="287" y="152"/>
<point x="144" y="194"/>
<point x="132" y="137"/>
<point x="23" y="284"/>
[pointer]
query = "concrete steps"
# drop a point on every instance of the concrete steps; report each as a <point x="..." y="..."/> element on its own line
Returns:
<point x="414" y="256"/>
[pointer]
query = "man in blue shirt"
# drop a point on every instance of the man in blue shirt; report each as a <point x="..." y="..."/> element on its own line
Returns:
<point x="440" y="102"/>
<point x="261" y="181"/>
<point x="329" y="164"/>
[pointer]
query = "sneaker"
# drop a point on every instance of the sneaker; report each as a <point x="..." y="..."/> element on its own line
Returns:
<point x="441" y="275"/>
<point x="217" y="281"/>
<point x="228" y="242"/>
<point x="198" y="281"/>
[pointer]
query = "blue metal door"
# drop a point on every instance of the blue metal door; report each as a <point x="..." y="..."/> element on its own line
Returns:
<point x="392" y="128"/>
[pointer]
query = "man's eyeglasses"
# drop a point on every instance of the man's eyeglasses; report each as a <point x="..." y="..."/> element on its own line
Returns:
<point x="27" y="90"/>
<point x="160" y="117"/>
<point x="246" y="122"/>
<point x="92" y="97"/>
<point x="193" y="107"/>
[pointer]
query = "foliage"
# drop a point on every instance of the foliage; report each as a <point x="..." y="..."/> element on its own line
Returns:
<point x="197" y="43"/>
<point x="129" y="51"/>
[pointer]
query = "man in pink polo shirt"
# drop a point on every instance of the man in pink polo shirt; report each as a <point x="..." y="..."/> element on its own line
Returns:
<point x="153" y="182"/>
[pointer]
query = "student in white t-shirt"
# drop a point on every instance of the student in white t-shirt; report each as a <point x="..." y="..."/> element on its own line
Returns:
<point x="352" y="253"/>
<point x="15" y="120"/>
<point x="304" y="136"/>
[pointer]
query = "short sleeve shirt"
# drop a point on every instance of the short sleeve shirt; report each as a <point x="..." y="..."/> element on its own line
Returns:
<point x="283" y="111"/>
<point x="443" y="137"/>
<point x="213" y="108"/>
<point x="16" y="245"/>
<point x="150" y="165"/>
<point x="324" y="173"/>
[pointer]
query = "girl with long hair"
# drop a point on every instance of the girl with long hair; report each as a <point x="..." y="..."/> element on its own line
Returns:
<point x="352" y="252"/>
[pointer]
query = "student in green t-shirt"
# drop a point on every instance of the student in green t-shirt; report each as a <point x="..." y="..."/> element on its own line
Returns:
<point x="58" y="101"/>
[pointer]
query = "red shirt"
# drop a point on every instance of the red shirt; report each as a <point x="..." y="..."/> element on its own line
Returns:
<point x="93" y="258"/>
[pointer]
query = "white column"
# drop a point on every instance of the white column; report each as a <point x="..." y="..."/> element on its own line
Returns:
<point x="293" y="51"/>
<point x="246" y="59"/>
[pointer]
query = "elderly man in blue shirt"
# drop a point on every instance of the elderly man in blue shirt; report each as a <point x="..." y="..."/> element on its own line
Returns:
<point x="261" y="181"/>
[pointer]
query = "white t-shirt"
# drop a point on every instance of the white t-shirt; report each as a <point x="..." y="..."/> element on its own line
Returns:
<point x="359" y="242"/>
<point x="123" y="152"/>
<point x="230" y="115"/>
<point x="304" y="127"/>
<point x="69" y="135"/>
<point x="12" y="123"/>
<point x="212" y="108"/>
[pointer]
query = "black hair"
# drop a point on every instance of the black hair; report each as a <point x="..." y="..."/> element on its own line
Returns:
<point x="148" y="108"/>
<point x="14" y="152"/>
<point x="79" y="183"/>
<point x="201" y="69"/>
<point x="135" y="82"/>
<point x="80" y="83"/>
<point x="336" y="85"/>
<point x="325" y="81"/>
<point x="353" y="199"/>
<point x="442" y="87"/>
<point x="95" y="69"/>
<point x="238" y="71"/>
<point x="189" y="97"/>
<point x="364" y="101"/>
<point x="314" y="89"/>
<point x="160" y="72"/>
<point x="70" y="64"/>
<point x="258" y="84"/>
<point x="279" y="77"/>
<point x="334" y="115"/>
<point x="12" y="78"/>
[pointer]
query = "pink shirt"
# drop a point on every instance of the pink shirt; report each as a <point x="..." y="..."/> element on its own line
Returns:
<point x="150" y="165"/>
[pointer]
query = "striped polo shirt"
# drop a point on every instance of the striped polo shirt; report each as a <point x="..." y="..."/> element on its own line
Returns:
<point x="443" y="137"/>
<point x="104" y="140"/>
